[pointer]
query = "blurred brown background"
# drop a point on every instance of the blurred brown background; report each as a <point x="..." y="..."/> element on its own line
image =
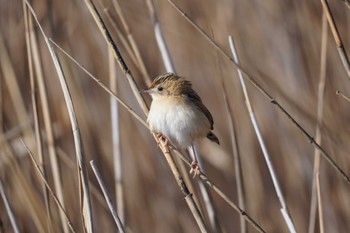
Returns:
<point x="279" y="43"/>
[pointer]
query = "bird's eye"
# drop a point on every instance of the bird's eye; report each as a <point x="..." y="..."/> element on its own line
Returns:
<point x="160" y="89"/>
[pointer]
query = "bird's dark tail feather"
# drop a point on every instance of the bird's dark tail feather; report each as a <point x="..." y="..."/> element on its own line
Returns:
<point x="212" y="137"/>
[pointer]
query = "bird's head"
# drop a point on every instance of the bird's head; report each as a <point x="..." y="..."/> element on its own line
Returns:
<point x="168" y="84"/>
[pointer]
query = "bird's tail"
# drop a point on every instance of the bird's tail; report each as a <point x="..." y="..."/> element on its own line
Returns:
<point x="212" y="137"/>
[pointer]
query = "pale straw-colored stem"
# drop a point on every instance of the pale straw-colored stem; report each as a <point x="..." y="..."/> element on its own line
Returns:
<point x="116" y="140"/>
<point x="318" y="137"/>
<point x="264" y="150"/>
<point x="8" y="209"/>
<point x="107" y="197"/>
<point x="82" y="173"/>
<point x="163" y="48"/>
<point x="236" y="156"/>
<point x="319" y="201"/>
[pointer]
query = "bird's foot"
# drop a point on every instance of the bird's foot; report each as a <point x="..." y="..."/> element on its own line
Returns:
<point x="195" y="168"/>
<point x="161" y="139"/>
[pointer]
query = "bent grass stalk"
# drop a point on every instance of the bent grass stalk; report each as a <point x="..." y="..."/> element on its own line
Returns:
<point x="43" y="96"/>
<point x="82" y="174"/>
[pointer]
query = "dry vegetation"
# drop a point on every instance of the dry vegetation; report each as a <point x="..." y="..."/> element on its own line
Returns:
<point x="279" y="44"/>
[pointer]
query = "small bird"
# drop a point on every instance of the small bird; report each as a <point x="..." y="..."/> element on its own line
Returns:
<point x="178" y="115"/>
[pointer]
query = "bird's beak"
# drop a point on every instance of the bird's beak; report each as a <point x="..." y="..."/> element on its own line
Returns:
<point x="143" y="90"/>
<point x="146" y="90"/>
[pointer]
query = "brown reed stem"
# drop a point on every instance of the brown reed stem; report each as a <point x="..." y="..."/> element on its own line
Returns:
<point x="183" y="187"/>
<point x="118" y="31"/>
<point x="117" y="55"/>
<point x="132" y="42"/>
<point x="337" y="38"/>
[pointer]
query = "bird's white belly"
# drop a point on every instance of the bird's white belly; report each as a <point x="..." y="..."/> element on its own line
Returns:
<point x="180" y="123"/>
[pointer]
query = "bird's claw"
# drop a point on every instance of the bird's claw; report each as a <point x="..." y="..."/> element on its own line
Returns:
<point x="195" y="168"/>
<point x="161" y="139"/>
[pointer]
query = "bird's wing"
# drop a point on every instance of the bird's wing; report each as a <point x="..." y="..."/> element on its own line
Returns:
<point x="197" y="101"/>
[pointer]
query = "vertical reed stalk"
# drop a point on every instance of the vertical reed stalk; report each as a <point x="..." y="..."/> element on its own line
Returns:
<point x="284" y="209"/>
<point x="116" y="140"/>
<point x="319" y="123"/>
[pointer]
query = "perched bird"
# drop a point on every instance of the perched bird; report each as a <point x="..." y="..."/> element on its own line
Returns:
<point x="178" y="115"/>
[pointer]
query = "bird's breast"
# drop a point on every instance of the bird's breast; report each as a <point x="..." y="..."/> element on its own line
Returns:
<point x="178" y="120"/>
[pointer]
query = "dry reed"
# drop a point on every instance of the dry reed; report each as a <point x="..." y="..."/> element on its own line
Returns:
<point x="280" y="47"/>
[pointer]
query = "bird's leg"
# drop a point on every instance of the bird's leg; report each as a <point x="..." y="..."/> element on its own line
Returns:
<point x="195" y="168"/>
